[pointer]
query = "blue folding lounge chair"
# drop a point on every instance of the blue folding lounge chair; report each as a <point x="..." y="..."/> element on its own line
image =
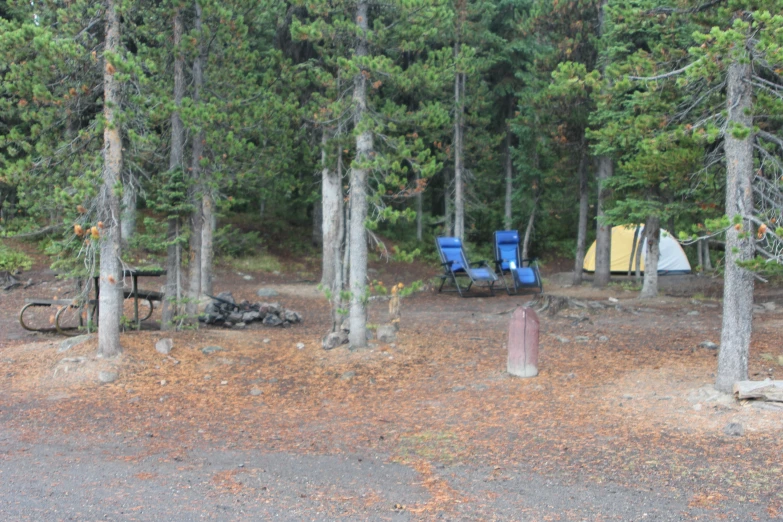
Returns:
<point x="456" y="265"/>
<point x="524" y="272"/>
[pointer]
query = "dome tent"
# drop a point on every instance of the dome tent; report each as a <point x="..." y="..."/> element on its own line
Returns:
<point x="672" y="259"/>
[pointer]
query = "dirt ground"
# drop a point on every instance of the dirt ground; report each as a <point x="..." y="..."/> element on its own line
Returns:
<point x="621" y="424"/>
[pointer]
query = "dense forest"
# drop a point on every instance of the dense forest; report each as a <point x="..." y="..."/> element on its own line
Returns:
<point x="145" y="124"/>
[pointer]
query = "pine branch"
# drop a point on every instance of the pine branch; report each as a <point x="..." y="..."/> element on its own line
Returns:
<point x="692" y="10"/>
<point x="665" y="75"/>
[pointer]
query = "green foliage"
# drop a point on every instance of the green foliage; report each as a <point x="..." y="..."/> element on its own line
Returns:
<point x="230" y="241"/>
<point x="12" y="260"/>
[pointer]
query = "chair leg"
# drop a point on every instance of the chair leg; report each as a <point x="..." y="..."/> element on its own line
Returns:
<point x="505" y="283"/>
<point x="442" y="282"/>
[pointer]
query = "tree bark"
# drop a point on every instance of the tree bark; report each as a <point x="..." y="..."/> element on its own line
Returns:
<point x="207" y="234"/>
<point x="110" y="300"/>
<point x="332" y="210"/>
<point x="459" y="181"/>
<point x="707" y="261"/>
<point x="584" y="204"/>
<point x="639" y="249"/>
<point x="419" y="208"/>
<point x="176" y="160"/>
<point x="448" y="207"/>
<point x="700" y="253"/>
<point x="653" y="234"/>
<point x="507" y="217"/>
<point x="634" y="246"/>
<point x="358" y="232"/>
<point x="738" y="282"/>
<point x="196" y="216"/>
<point x="128" y="217"/>
<point x="529" y="230"/>
<point x="603" y="239"/>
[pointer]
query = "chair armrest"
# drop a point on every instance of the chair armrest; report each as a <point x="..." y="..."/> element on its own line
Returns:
<point x="447" y="263"/>
<point x="483" y="262"/>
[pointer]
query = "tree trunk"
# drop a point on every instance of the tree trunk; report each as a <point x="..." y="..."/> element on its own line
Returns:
<point x="738" y="282"/>
<point x="634" y="246"/>
<point x="507" y="217"/>
<point x="707" y="261"/>
<point x="448" y="207"/>
<point x="128" y="218"/>
<point x="700" y="253"/>
<point x="338" y="249"/>
<point x="653" y="233"/>
<point x="603" y="239"/>
<point x="209" y="223"/>
<point x="419" y="208"/>
<point x="332" y="210"/>
<point x="639" y="249"/>
<point x="584" y="206"/>
<point x="529" y="230"/>
<point x="459" y="181"/>
<point x="110" y="300"/>
<point x="358" y="232"/>
<point x="196" y="216"/>
<point x="176" y="160"/>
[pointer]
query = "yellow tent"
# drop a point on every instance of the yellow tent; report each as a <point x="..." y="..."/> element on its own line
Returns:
<point x="672" y="257"/>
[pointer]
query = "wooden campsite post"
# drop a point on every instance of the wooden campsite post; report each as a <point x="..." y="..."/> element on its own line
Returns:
<point x="523" y="343"/>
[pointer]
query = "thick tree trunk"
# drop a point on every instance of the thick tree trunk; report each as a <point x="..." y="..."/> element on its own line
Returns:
<point x="603" y="239"/>
<point x="529" y="231"/>
<point x="209" y="222"/>
<point x="332" y="210"/>
<point x="738" y="282"/>
<point x="459" y="180"/>
<point x="639" y="250"/>
<point x="634" y="246"/>
<point x="338" y="249"/>
<point x="507" y="217"/>
<point x="419" y="208"/>
<point x="584" y="207"/>
<point x="110" y="300"/>
<point x="707" y="261"/>
<point x="196" y="216"/>
<point x="128" y="219"/>
<point x="176" y="161"/>
<point x="358" y="232"/>
<point x="653" y="233"/>
<point x="448" y="206"/>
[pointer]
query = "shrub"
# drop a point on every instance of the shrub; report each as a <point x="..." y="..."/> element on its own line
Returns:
<point x="12" y="260"/>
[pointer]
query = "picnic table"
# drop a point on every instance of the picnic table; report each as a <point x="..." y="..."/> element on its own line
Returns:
<point x="68" y="307"/>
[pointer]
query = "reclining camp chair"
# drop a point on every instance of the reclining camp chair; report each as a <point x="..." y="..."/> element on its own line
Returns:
<point x="524" y="272"/>
<point x="456" y="265"/>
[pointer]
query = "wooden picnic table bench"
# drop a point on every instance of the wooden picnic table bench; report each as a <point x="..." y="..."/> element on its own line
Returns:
<point x="77" y="306"/>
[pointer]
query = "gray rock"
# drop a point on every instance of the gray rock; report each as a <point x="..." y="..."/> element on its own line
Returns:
<point x="211" y="349"/>
<point x="235" y="317"/>
<point x="107" y="377"/>
<point x="164" y="346"/>
<point x="300" y="346"/>
<point x="581" y="338"/>
<point x="386" y="333"/>
<point x="247" y="278"/>
<point x="240" y="326"/>
<point x="709" y="345"/>
<point x="255" y="392"/>
<point x="267" y="341"/>
<point x="346" y="326"/>
<point x="334" y="339"/>
<point x="693" y="312"/>
<point x="603" y="338"/>
<point x="734" y="429"/>
<point x="73" y="341"/>
<point x="562" y="339"/>
<point x="273" y="308"/>
<point x="226" y="296"/>
<point x="249" y="317"/>
<point x="770" y="306"/>
<point x="272" y="320"/>
<point x="212" y="309"/>
<point x="368" y="334"/>
<point x="458" y="388"/>
<point x="266" y="292"/>
<point x="347" y="376"/>
<point x="292" y="317"/>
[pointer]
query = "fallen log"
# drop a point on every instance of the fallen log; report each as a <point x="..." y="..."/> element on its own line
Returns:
<point x="766" y="390"/>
